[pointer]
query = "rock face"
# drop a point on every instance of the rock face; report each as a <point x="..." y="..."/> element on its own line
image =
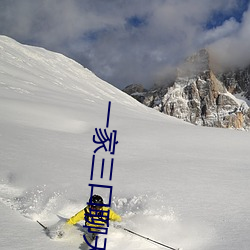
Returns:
<point x="137" y="91"/>
<point x="201" y="97"/>
<point x="237" y="81"/>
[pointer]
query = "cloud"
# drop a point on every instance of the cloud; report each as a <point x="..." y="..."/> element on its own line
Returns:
<point x="121" y="41"/>
<point x="232" y="50"/>
<point x="228" y="28"/>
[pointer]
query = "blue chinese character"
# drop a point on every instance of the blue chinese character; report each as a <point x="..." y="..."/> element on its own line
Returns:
<point x="104" y="138"/>
<point x="96" y="242"/>
<point x="102" y="169"/>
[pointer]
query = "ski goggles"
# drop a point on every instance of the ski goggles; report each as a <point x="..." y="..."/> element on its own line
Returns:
<point x="96" y="207"/>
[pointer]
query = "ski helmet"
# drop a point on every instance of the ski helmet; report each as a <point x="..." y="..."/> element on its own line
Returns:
<point x="96" y="200"/>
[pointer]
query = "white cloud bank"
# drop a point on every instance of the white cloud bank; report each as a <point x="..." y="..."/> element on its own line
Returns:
<point x="129" y="41"/>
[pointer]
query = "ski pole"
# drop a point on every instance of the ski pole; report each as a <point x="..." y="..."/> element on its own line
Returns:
<point x="45" y="228"/>
<point x="150" y="239"/>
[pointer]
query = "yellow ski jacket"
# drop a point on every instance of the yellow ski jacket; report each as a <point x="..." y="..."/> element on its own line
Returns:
<point x="92" y="217"/>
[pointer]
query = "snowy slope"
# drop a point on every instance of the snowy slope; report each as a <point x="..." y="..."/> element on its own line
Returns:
<point x="182" y="185"/>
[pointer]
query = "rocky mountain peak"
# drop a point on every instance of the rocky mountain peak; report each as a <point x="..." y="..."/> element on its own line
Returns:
<point x="200" y="96"/>
<point x="196" y="64"/>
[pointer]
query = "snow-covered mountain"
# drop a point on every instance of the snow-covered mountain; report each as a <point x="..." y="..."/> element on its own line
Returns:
<point x="182" y="185"/>
<point x="201" y="95"/>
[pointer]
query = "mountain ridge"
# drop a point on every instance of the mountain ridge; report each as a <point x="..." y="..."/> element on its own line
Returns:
<point x="200" y="95"/>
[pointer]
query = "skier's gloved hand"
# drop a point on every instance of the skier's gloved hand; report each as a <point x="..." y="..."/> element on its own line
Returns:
<point x="60" y="234"/>
<point x="60" y="230"/>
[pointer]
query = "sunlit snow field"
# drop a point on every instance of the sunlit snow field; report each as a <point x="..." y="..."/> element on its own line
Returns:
<point x="182" y="185"/>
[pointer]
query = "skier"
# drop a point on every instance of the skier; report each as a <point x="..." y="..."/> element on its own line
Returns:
<point x="95" y="216"/>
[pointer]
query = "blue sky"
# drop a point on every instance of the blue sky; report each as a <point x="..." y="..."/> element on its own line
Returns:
<point x="131" y="41"/>
<point x="218" y="17"/>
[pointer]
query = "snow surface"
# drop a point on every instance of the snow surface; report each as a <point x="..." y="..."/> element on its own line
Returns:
<point x="183" y="185"/>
